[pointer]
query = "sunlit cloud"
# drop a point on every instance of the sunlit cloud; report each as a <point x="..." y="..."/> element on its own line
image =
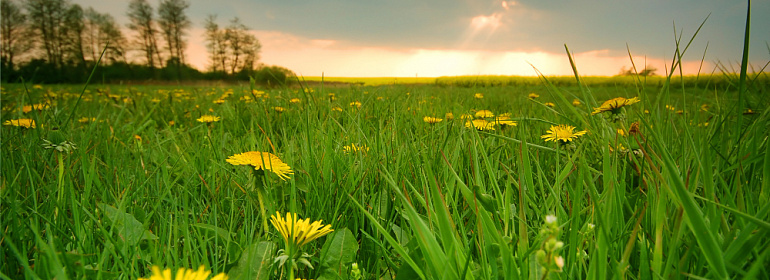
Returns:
<point x="314" y="57"/>
<point x="486" y="22"/>
<point x="508" y="4"/>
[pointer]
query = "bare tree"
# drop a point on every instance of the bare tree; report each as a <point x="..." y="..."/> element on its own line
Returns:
<point x="173" y="23"/>
<point x="217" y="45"/>
<point x="49" y="16"/>
<point x="142" y="21"/>
<point x="101" y="31"/>
<point x="243" y="47"/>
<point x="13" y="28"/>
<point x="72" y="30"/>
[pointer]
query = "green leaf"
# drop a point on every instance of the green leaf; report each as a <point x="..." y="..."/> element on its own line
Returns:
<point x="338" y="251"/>
<point x="255" y="262"/>
<point x="130" y="230"/>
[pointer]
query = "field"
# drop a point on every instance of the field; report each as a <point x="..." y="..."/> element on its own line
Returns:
<point x="113" y="180"/>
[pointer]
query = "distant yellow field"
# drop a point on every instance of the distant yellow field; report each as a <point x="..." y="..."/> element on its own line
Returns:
<point x="373" y="81"/>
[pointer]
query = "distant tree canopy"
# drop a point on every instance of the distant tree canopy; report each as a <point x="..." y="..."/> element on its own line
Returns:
<point x="55" y="41"/>
<point x="647" y="71"/>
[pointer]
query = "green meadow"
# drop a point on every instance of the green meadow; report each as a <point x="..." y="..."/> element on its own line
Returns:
<point x="114" y="180"/>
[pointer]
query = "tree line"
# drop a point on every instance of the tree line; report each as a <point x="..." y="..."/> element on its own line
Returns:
<point x="55" y="41"/>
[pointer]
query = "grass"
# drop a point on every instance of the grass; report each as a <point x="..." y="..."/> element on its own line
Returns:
<point x="675" y="186"/>
<point x="432" y="201"/>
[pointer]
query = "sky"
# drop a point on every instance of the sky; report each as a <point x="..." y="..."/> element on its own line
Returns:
<point x="429" y="38"/>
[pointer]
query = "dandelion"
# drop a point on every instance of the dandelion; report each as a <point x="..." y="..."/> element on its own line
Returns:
<point x="576" y="102"/>
<point x="380" y="98"/>
<point x="294" y="100"/>
<point x="36" y="107"/>
<point x="337" y="108"/>
<point x="480" y="124"/>
<point x="431" y="120"/>
<point x="704" y="107"/>
<point x="352" y="148"/>
<point x="614" y="105"/>
<point x="184" y="274"/>
<point x="138" y="138"/>
<point x="478" y="96"/>
<point x="86" y="120"/>
<point x="484" y="114"/>
<point x="633" y="129"/>
<point x="533" y="95"/>
<point x="219" y="101"/>
<point x="297" y="232"/>
<point x="279" y="109"/>
<point x="549" y="104"/>
<point x="332" y="97"/>
<point x="563" y="133"/>
<point x="449" y="116"/>
<point x="355" y="104"/>
<point x="37" y="87"/>
<point x="466" y="117"/>
<point x="505" y="120"/>
<point x="621" y="132"/>
<point x="208" y="119"/>
<point x="262" y="161"/>
<point x="26" y="123"/>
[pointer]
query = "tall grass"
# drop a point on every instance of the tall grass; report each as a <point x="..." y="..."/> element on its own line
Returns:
<point x="684" y="197"/>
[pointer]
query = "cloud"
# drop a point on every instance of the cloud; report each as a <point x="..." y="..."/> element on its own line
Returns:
<point x="332" y="58"/>
<point x="492" y="21"/>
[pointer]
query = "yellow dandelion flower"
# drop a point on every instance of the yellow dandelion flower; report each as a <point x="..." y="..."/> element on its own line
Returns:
<point x="332" y="97"/>
<point x="380" y="98"/>
<point x="37" y="87"/>
<point x="137" y="137"/>
<point x="484" y="114"/>
<point x="431" y="120"/>
<point x="297" y="232"/>
<point x="480" y="124"/>
<point x="533" y="95"/>
<point x="613" y="105"/>
<point x="219" y="101"/>
<point x="449" y="116"/>
<point x="576" y="102"/>
<point x="36" y="107"/>
<point x="466" y="117"/>
<point x="86" y="120"/>
<point x="184" y="274"/>
<point x="279" y="109"/>
<point x="355" y="104"/>
<point x="621" y="132"/>
<point x="549" y="104"/>
<point x="704" y="107"/>
<point x="353" y="148"/>
<point x="563" y="133"/>
<point x="337" y="108"/>
<point x="478" y="96"/>
<point x="262" y="161"/>
<point x="294" y="100"/>
<point x="26" y="123"/>
<point x="505" y="120"/>
<point x="208" y="119"/>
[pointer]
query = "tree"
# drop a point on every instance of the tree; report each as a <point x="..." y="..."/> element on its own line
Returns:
<point x="101" y="31"/>
<point x="647" y="71"/>
<point x="216" y="44"/>
<point x="142" y="21"/>
<point x="72" y="36"/>
<point x="13" y="28"/>
<point x="49" y="16"/>
<point x="243" y="47"/>
<point x="173" y="23"/>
